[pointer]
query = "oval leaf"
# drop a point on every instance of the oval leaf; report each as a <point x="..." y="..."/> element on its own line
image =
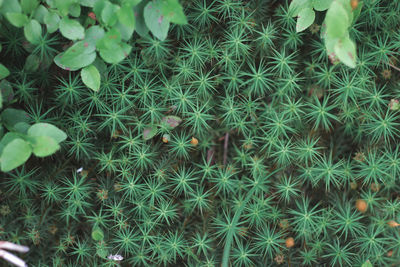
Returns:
<point x="337" y="21"/>
<point x="78" y="56"/>
<point x="140" y="26"/>
<point x="91" y="77"/>
<point x="149" y="132"/>
<point x="345" y="50"/>
<point x="32" y="63"/>
<point x="29" y="5"/>
<point x="173" y="11"/>
<point x="97" y="234"/>
<point x="46" y="129"/>
<point x="305" y="19"/>
<point x="321" y="5"/>
<point x="71" y="29"/>
<point x="4" y="72"/>
<point x="12" y="116"/>
<point x="17" y="19"/>
<point x="92" y="35"/>
<point x="40" y="14"/>
<point x="33" y="32"/>
<point x="15" y="154"/>
<point x="297" y="5"/>
<point x="155" y="20"/>
<point x="52" y="21"/>
<point x="44" y="146"/>
<point x="170" y="122"/>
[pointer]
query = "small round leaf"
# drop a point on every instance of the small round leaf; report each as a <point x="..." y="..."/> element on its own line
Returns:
<point x="15" y="154"/>
<point x="46" y="129"/>
<point x="97" y="234"/>
<point x="33" y="32"/>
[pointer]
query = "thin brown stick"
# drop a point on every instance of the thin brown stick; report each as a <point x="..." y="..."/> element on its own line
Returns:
<point x="393" y="66"/>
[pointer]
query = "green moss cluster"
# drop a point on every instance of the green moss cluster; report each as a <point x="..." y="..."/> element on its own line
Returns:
<point x="287" y="143"/>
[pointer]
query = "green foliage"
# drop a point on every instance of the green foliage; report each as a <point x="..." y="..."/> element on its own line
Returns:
<point x="107" y="29"/>
<point x="23" y="139"/>
<point x="340" y="16"/>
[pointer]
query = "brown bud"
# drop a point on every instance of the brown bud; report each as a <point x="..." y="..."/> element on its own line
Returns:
<point x="194" y="141"/>
<point x="354" y="4"/>
<point x="361" y="205"/>
<point x="393" y="223"/>
<point x="289" y="242"/>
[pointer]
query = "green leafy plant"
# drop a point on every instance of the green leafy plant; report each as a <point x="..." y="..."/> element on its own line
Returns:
<point x="105" y="31"/>
<point x="23" y="139"/>
<point x="340" y="16"/>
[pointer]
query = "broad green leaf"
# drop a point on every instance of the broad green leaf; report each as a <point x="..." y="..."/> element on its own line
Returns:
<point x="149" y="132"/>
<point x="44" y="146"/>
<point x="98" y="7"/>
<point x="92" y="35"/>
<point x="91" y="77"/>
<point x="11" y="116"/>
<point x="17" y="19"/>
<point x="22" y="127"/>
<point x="126" y="33"/>
<point x="87" y="3"/>
<point x="15" y="154"/>
<point x="321" y="5"/>
<point x="126" y="22"/>
<point x="97" y="234"/>
<point x="140" y="26"/>
<point x="115" y="54"/>
<point x="337" y="21"/>
<point x="345" y="50"/>
<point x="32" y="63"/>
<point x="155" y="21"/>
<point x="170" y="122"/>
<point x="102" y="252"/>
<point x="75" y="10"/>
<point x="366" y="264"/>
<point x="71" y="29"/>
<point x="111" y="49"/>
<point x="33" y="31"/>
<point x="109" y="40"/>
<point x="12" y="6"/>
<point x="100" y="66"/>
<point x="4" y="72"/>
<point x="132" y="3"/>
<point x="173" y="11"/>
<point x="305" y="19"/>
<point x="52" y="21"/>
<point x="297" y="5"/>
<point x="46" y="129"/>
<point x="357" y="11"/>
<point x="40" y="13"/>
<point x="29" y="5"/>
<point x="109" y="13"/>
<point x="6" y="90"/>
<point x="63" y="6"/>
<point x="78" y="56"/>
<point x="7" y="138"/>
<point x="50" y="3"/>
